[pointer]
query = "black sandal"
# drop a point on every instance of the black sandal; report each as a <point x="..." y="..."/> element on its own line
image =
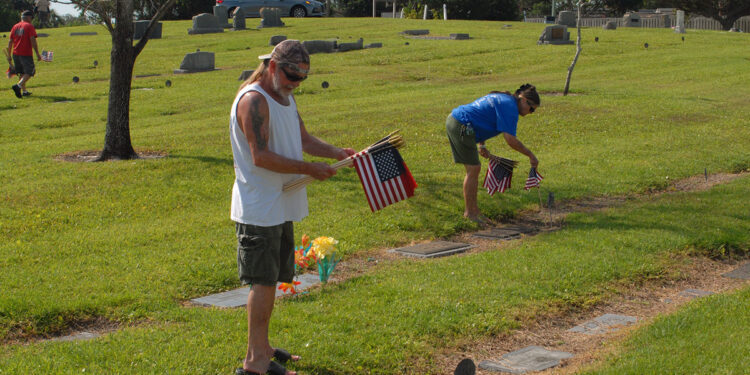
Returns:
<point x="282" y="355"/>
<point x="274" y="368"/>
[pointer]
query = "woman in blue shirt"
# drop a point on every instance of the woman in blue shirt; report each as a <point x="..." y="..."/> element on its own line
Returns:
<point x="472" y="124"/>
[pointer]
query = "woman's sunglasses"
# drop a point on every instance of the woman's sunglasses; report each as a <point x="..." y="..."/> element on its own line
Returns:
<point x="528" y="103"/>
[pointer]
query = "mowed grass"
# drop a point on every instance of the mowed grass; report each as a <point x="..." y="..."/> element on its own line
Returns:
<point x="129" y="241"/>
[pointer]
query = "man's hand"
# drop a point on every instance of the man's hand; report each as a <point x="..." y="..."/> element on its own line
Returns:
<point x="345" y="153"/>
<point x="534" y="161"/>
<point x="320" y="171"/>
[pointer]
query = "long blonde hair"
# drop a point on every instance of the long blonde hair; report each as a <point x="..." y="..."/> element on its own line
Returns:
<point x="257" y="74"/>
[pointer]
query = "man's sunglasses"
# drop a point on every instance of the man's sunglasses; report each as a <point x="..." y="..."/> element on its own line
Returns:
<point x="292" y="77"/>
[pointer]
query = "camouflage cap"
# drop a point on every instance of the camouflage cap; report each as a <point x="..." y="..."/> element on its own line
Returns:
<point x="290" y="50"/>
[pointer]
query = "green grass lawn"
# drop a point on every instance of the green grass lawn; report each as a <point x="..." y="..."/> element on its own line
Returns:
<point x="128" y="241"/>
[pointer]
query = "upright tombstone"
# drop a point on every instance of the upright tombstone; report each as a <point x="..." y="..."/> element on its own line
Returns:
<point x="276" y="39"/>
<point x="222" y="15"/>
<point x="197" y="62"/>
<point x="631" y="20"/>
<point x="343" y="47"/>
<point x="271" y="18"/>
<point x="555" y="34"/>
<point x="611" y="25"/>
<point x="205" y="23"/>
<point x="567" y="18"/>
<point x="238" y="19"/>
<point x="680" y="23"/>
<point x="140" y="30"/>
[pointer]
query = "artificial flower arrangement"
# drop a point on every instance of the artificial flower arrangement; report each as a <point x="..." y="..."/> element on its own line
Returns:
<point x="320" y="251"/>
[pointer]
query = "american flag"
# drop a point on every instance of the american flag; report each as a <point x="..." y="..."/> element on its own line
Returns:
<point x="47" y="56"/>
<point x="533" y="180"/>
<point x="497" y="178"/>
<point x="384" y="176"/>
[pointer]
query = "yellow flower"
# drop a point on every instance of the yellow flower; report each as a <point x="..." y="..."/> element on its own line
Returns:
<point x="323" y="246"/>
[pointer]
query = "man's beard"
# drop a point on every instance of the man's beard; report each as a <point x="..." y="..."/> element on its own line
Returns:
<point x="280" y="89"/>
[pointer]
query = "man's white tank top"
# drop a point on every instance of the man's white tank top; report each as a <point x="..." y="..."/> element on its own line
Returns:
<point x="257" y="198"/>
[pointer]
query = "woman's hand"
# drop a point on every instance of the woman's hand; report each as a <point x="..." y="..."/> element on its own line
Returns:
<point x="534" y="161"/>
<point x="484" y="152"/>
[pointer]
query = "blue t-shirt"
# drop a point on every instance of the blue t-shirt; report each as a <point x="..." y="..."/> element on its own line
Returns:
<point x="489" y="116"/>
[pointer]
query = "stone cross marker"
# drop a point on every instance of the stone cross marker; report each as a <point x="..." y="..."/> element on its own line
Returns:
<point x="680" y="23"/>
<point x="271" y="18"/>
<point x="238" y="19"/>
<point x="205" y="23"/>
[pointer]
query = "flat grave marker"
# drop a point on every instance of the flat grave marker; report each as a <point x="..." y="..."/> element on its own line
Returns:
<point x="695" y="293"/>
<point x="740" y="273"/>
<point x="503" y="233"/>
<point x="77" y="337"/>
<point x="433" y="249"/>
<point x="238" y="297"/>
<point x="603" y="324"/>
<point x="531" y="358"/>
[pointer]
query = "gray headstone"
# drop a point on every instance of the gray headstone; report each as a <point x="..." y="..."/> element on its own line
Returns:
<point x="631" y="20"/>
<point x="504" y="233"/>
<point x="603" y="324"/>
<point x="276" y="39"/>
<point x="205" y="23"/>
<point x="222" y="16"/>
<point x="740" y="273"/>
<point x="344" y="47"/>
<point x="238" y="297"/>
<point x="415" y="32"/>
<point x="318" y="46"/>
<point x="39" y="35"/>
<point x="374" y="45"/>
<point x="680" y="22"/>
<point x="567" y="18"/>
<point x="611" y="25"/>
<point x="238" y="19"/>
<point x="246" y="74"/>
<point x="83" y="34"/>
<point x="459" y="36"/>
<point x="433" y="249"/>
<point x="555" y="34"/>
<point x="197" y="62"/>
<point x="271" y="17"/>
<point x="140" y="30"/>
<point x="695" y="293"/>
<point x="532" y="358"/>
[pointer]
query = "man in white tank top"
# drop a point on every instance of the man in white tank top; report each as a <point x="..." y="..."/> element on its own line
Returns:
<point x="268" y="138"/>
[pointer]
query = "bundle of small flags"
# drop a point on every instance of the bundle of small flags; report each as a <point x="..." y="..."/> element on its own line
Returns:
<point x="47" y="56"/>
<point x="11" y="69"/>
<point x="383" y="173"/>
<point x="533" y="180"/>
<point x="499" y="174"/>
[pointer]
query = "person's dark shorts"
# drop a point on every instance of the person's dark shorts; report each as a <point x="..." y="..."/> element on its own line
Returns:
<point x="265" y="255"/>
<point x="24" y="65"/>
<point x="463" y="142"/>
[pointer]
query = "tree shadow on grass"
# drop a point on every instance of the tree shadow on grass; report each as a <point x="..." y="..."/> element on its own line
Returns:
<point x="206" y="159"/>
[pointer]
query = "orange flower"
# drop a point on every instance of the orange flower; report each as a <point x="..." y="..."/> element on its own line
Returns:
<point x="305" y="240"/>
<point x="289" y="287"/>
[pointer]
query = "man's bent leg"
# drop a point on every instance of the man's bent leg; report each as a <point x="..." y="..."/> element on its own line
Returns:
<point x="471" y="183"/>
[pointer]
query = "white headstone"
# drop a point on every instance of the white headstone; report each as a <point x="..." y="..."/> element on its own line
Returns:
<point x="680" y="23"/>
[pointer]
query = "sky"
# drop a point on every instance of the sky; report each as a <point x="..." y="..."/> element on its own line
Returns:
<point x="62" y="9"/>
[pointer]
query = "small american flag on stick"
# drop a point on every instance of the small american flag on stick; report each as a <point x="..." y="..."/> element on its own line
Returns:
<point x="47" y="56"/>
<point x="384" y="176"/>
<point x="533" y="180"/>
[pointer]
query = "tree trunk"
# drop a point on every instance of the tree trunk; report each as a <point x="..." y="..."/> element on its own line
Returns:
<point x="117" y="143"/>
<point x="578" y="52"/>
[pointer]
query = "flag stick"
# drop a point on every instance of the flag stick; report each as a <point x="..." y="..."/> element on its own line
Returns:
<point x="539" y="192"/>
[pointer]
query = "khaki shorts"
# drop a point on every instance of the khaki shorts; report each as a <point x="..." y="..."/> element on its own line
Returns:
<point x="265" y="255"/>
<point x="463" y="142"/>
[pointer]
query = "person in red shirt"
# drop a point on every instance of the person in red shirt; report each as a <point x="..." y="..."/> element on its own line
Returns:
<point x="22" y="42"/>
